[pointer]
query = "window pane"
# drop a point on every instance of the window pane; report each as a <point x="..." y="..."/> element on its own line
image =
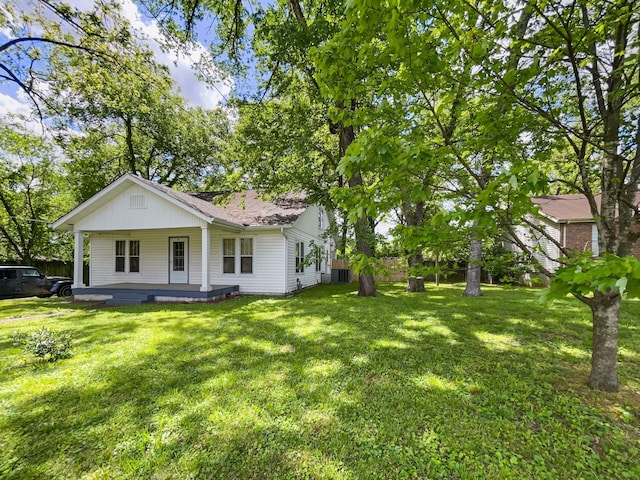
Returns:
<point x="228" y="246"/>
<point x="120" y="247"/>
<point x="134" y="248"/>
<point x="134" y="264"/>
<point x="246" y="264"/>
<point x="30" y="272"/>
<point x="178" y="264"/>
<point x="229" y="265"/>
<point x="8" y="274"/>
<point x="119" y="264"/>
<point x="246" y="246"/>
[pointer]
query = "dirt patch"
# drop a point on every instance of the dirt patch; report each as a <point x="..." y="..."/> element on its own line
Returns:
<point x="34" y="317"/>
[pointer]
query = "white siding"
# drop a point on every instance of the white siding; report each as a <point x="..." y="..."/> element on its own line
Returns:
<point x="268" y="262"/>
<point x="305" y="229"/>
<point x="273" y="254"/>
<point x="154" y="256"/>
<point x="118" y="213"/>
<point x="549" y="250"/>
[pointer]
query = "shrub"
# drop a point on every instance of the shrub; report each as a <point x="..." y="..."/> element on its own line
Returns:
<point x="44" y="344"/>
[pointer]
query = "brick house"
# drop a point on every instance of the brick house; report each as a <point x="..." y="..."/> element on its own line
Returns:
<point x="567" y="223"/>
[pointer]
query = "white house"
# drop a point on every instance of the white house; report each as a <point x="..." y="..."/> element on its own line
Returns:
<point x="148" y="242"/>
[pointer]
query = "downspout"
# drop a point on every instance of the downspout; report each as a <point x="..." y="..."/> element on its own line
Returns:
<point x="286" y="261"/>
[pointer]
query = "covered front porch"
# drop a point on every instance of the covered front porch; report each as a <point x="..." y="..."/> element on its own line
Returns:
<point x="138" y="293"/>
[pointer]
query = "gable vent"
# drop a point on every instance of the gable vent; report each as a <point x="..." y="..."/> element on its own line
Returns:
<point x="137" y="201"/>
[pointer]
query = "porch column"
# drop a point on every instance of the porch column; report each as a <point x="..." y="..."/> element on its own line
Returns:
<point x="206" y="253"/>
<point x="78" y="259"/>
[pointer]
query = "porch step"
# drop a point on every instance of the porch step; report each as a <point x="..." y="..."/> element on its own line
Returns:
<point x="130" y="298"/>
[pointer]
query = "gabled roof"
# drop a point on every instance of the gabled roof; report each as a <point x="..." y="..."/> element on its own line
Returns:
<point x="245" y="209"/>
<point x="568" y="208"/>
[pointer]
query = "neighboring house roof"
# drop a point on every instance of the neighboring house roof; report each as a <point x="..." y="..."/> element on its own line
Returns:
<point x="245" y="209"/>
<point x="568" y="208"/>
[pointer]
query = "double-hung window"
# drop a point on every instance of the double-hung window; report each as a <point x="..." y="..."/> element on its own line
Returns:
<point x="299" y="257"/>
<point x="229" y="255"/>
<point x="246" y="255"/>
<point x="121" y="255"/>
<point x="127" y="256"/>
<point x="134" y="256"/>
<point x="237" y="251"/>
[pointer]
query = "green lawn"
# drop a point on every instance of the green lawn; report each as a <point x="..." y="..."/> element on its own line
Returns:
<point x="322" y="385"/>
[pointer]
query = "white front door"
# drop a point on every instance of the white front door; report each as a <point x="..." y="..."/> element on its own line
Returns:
<point x="178" y="260"/>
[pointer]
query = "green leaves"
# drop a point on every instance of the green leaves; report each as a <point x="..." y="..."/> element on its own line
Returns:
<point x="33" y="192"/>
<point x="585" y="275"/>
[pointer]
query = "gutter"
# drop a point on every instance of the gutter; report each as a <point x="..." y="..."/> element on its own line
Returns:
<point x="576" y="220"/>
<point x="269" y="227"/>
<point x="234" y="226"/>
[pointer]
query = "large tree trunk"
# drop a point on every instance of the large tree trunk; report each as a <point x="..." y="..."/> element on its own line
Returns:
<point x="605" y="308"/>
<point x="364" y="236"/>
<point x="414" y="217"/>
<point x="473" y="268"/>
<point x="363" y="232"/>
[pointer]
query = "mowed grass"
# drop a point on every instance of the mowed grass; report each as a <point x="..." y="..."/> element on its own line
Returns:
<point x="322" y="385"/>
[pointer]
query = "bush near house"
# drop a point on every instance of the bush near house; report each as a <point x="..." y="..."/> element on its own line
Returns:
<point x="321" y="385"/>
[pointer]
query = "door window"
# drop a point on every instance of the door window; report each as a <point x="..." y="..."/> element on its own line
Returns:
<point x="178" y="256"/>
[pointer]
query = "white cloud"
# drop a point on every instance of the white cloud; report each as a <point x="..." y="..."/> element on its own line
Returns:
<point x="13" y="105"/>
<point x="181" y="65"/>
<point x="17" y="108"/>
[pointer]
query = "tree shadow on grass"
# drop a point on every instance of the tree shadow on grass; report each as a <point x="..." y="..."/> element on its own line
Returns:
<point x="298" y="389"/>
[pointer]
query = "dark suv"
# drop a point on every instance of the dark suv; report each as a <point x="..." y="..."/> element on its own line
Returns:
<point x="23" y="281"/>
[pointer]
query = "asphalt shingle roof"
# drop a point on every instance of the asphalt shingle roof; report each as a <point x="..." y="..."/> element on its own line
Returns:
<point x="574" y="207"/>
<point x="244" y="208"/>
